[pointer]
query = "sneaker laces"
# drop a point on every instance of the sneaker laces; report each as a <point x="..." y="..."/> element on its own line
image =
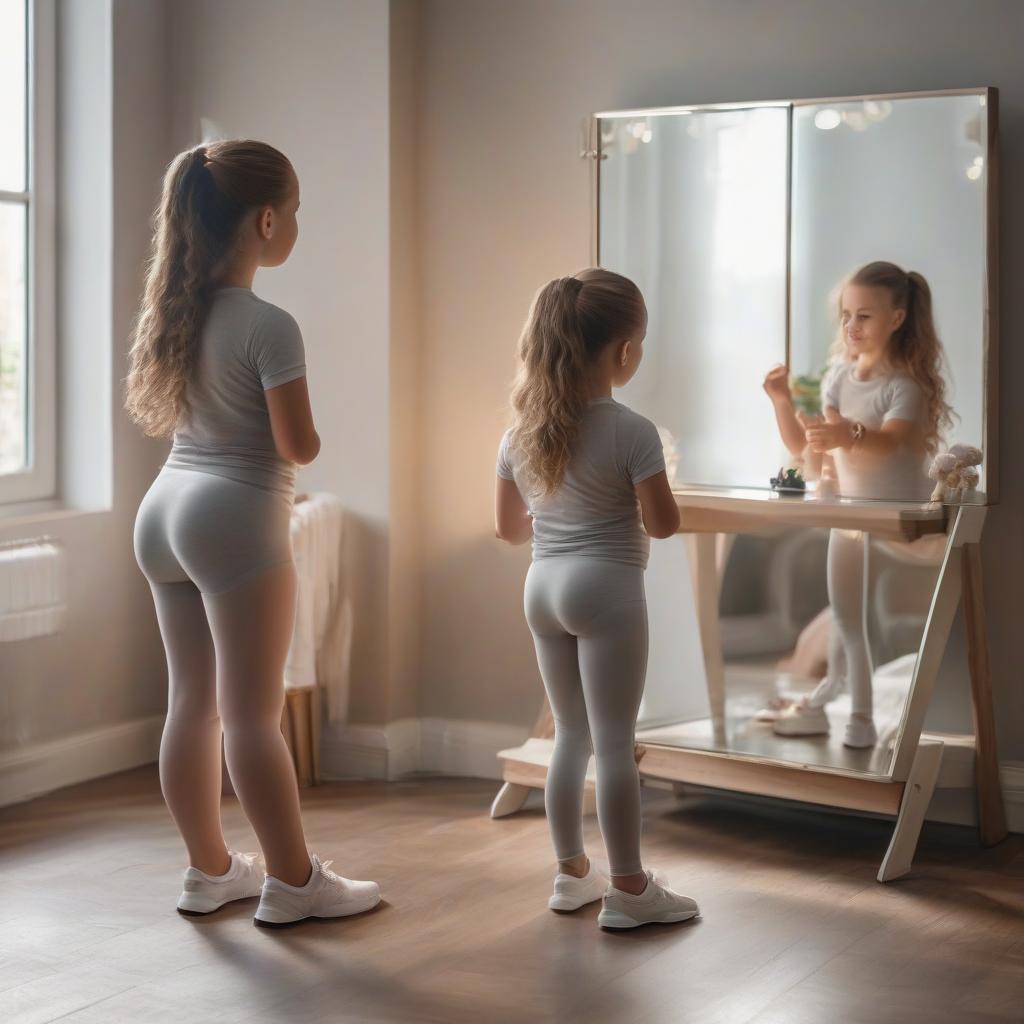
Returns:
<point x="324" y="868"/>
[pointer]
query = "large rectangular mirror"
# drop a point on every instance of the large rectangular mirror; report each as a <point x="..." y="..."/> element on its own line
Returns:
<point x="744" y="226"/>
<point x="741" y="224"/>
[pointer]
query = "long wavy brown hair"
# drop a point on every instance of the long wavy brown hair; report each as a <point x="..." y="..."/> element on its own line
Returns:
<point x="914" y="347"/>
<point x="207" y="193"/>
<point x="572" y="320"/>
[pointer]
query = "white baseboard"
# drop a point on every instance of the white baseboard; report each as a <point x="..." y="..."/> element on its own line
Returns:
<point x="39" y="768"/>
<point x="440" y="746"/>
<point x="451" y="746"/>
<point x="446" y="746"/>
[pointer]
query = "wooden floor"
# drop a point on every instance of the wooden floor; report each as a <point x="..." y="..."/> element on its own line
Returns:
<point x="795" y="928"/>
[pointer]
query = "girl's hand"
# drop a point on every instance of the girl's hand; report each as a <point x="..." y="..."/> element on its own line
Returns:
<point x="836" y="432"/>
<point x="776" y="384"/>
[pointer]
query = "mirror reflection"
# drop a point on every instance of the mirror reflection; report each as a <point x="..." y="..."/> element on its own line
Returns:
<point x="693" y="209"/>
<point x="833" y="254"/>
<point x="820" y="634"/>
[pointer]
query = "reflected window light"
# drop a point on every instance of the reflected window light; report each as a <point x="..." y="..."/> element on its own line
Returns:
<point x="856" y="120"/>
<point x="828" y="119"/>
<point x="974" y="172"/>
<point x="647" y="136"/>
<point x="877" y="110"/>
<point x="981" y="100"/>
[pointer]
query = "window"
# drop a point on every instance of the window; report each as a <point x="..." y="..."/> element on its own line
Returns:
<point x="27" y="289"/>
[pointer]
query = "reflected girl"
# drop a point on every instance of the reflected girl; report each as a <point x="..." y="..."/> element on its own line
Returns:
<point x="884" y="408"/>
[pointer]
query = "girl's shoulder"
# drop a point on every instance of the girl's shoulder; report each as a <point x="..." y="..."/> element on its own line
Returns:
<point x="244" y="302"/>
<point x="624" y="415"/>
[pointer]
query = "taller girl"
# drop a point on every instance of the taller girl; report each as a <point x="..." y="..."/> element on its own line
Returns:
<point x="585" y="477"/>
<point x="224" y="372"/>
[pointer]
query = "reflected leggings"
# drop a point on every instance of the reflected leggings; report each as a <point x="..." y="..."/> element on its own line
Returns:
<point x="846" y="583"/>
<point x="589" y="623"/>
<point x="217" y="554"/>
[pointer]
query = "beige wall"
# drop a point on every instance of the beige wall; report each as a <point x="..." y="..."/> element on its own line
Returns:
<point x="404" y="368"/>
<point x="107" y="665"/>
<point x="503" y="206"/>
<point x="312" y="78"/>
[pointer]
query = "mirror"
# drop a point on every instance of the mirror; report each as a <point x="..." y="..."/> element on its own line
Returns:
<point x="740" y="225"/>
<point x="693" y="208"/>
<point x="817" y="626"/>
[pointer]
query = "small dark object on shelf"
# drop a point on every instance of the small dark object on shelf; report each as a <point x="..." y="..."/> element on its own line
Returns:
<point x="789" y="482"/>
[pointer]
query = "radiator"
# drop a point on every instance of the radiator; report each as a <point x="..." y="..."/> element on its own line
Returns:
<point x="31" y="588"/>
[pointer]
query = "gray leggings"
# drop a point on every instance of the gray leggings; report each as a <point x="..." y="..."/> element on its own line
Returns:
<point x="218" y="557"/>
<point x="214" y="531"/>
<point x="589" y="623"/>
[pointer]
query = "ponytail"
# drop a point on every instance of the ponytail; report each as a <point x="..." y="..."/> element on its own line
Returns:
<point x="207" y="192"/>
<point x="572" y="320"/>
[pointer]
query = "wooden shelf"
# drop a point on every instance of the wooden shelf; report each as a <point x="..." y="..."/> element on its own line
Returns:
<point x="728" y="510"/>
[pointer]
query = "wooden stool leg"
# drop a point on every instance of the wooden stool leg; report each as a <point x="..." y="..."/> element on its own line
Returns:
<point x="916" y="796"/>
<point x="510" y="799"/>
<point x="299" y="734"/>
<point x="991" y="811"/>
<point x="706" y="582"/>
<point x="512" y="795"/>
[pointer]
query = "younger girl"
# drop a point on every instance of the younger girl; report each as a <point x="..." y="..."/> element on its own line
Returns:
<point x="884" y="406"/>
<point x="584" y="477"/>
<point x="225" y="372"/>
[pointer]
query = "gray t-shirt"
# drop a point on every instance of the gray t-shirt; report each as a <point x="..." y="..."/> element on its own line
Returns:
<point x="901" y="476"/>
<point x="246" y="346"/>
<point x="595" y="511"/>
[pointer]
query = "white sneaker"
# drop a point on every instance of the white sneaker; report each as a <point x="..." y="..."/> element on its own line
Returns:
<point x="571" y="892"/>
<point x="657" y="904"/>
<point x="774" y="709"/>
<point x="324" y="895"/>
<point x="860" y="734"/>
<point x="801" y="720"/>
<point x="202" y="893"/>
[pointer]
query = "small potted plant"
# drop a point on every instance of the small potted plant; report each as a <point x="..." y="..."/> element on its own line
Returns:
<point x="789" y="482"/>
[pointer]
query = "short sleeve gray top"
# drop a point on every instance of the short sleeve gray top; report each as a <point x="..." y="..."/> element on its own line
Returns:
<point x="595" y="511"/>
<point x="900" y="476"/>
<point x="246" y="347"/>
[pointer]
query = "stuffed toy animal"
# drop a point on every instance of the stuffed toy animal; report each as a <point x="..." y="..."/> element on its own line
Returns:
<point x="955" y="473"/>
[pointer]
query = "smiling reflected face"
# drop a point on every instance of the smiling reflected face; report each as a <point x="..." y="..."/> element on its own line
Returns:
<point x="868" y="320"/>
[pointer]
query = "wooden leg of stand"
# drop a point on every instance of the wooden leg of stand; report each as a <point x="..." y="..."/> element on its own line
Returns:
<point x="510" y="799"/>
<point x="917" y="794"/>
<point x="704" y="577"/>
<point x="512" y="795"/>
<point x="297" y="708"/>
<point x="991" y="811"/>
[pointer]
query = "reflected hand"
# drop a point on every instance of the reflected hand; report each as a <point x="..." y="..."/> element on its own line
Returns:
<point x="836" y="432"/>
<point x="776" y="384"/>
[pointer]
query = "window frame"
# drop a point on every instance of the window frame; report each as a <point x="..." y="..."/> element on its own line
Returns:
<point x="38" y="480"/>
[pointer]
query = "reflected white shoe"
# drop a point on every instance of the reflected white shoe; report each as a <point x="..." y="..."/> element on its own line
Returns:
<point x="202" y="893"/>
<point x="571" y="892"/>
<point x="776" y="707"/>
<point x="860" y="734"/>
<point x="657" y="904"/>
<point x="324" y="895"/>
<point x="801" y="720"/>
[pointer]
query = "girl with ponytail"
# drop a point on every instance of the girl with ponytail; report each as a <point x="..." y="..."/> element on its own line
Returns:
<point x="584" y="477"/>
<point x="884" y="410"/>
<point x="223" y="372"/>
